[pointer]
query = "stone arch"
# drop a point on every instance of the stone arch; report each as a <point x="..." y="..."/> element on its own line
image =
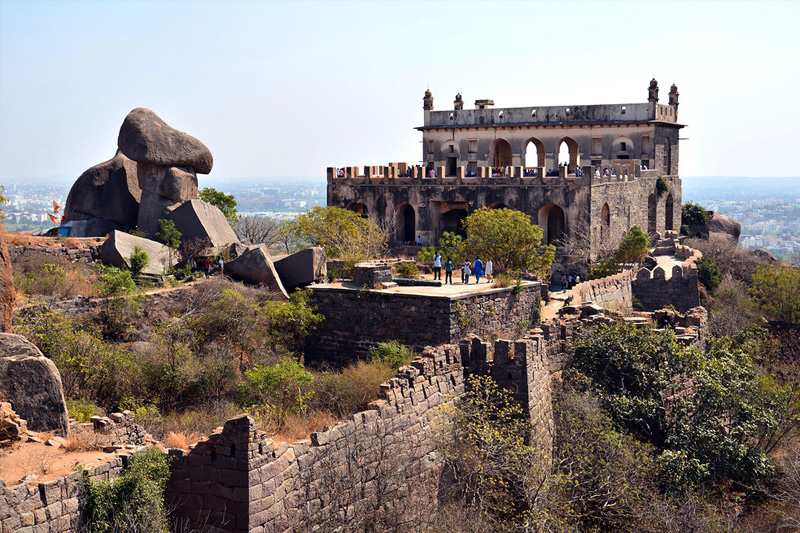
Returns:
<point x="497" y="205"/>
<point x="622" y="148"/>
<point x="605" y="223"/>
<point x="406" y="223"/>
<point x="360" y="208"/>
<point x="553" y="222"/>
<point x="534" y="153"/>
<point x="501" y="153"/>
<point x="652" y="213"/>
<point x="451" y="220"/>
<point x="669" y="208"/>
<point x="573" y="159"/>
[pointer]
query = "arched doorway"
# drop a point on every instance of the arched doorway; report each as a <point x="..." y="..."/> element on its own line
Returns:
<point x="359" y="208"/>
<point x="406" y="223"/>
<point x="497" y="205"/>
<point x="451" y="221"/>
<point x="652" y="211"/>
<point x="605" y="223"/>
<point x="553" y="223"/>
<point x="502" y="153"/>
<point x="668" y="214"/>
<point x="568" y="153"/>
<point x="451" y="155"/>
<point x="534" y="153"/>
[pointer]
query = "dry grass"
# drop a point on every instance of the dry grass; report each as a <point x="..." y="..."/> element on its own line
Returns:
<point x="45" y="275"/>
<point x="180" y="440"/>
<point x="85" y="441"/>
<point x="296" y="427"/>
<point x="198" y="421"/>
<point x="38" y="463"/>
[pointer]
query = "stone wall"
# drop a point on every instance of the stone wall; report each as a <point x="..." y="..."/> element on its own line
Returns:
<point x="378" y="468"/>
<point x="612" y="292"/>
<point x="85" y="254"/>
<point x="681" y="290"/>
<point x="357" y="319"/>
<point x="53" y="506"/>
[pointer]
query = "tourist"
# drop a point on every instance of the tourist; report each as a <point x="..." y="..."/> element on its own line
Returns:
<point x="467" y="272"/>
<point x="419" y="241"/>
<point x="478" y="269"/>
<point x="221" y="265"/>
<point x="489" y="269"/>
<point x="437" y="266"/>
<point x="205" y="265"/>
<point x="597" y="172"/>
<point x="340" y="173"/>
<point x="448" y="271"/>
<point x="564" y="282"/>
<point x="577" y="278"/>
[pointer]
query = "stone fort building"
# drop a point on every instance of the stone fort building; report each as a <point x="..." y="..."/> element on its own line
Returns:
<point x="587" y="168"/>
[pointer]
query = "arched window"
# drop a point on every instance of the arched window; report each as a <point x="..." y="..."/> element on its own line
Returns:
<point x="502" y="153"/>
<point x="406" y="223"/>
<point x="605" y="223"/>
<point x="668" y="213"/>
<point x="652" y="212"/>
<point x="553" y="223"/>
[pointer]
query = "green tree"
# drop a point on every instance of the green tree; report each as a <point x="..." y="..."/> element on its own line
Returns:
<point x="138" y="261"/>
<point x="708" y="273"/>
<point x="170" y="236"/>
<point x="694" y="218"/>
<point x="282" y="388"/>
<point x="3" y="201"/>
<point x="225" y="202"/>
<point x="341" y="232"/>
<point x="509" y="239"/>
<point x="633" y="247"/>
<point x="451" y="246"/>
<point x="776" y="289"/>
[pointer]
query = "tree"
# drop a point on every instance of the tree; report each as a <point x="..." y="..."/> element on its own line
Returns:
<point x="451" y="246"/>
<point x="708" y="273"/>
<point x="3" y="201"/>
<point x="341" y="232"/>
<point x="633" y="247"/>
<point x="169" y="235"/>
<point x="225" y="202"/>
<point x="776" y="288"/>
<point x="258" y="230"/>
<point x="138" y="261"/>
<point x="509" y="239"/>
<point x="694" y="219"/>
<point x="281" y="388"/>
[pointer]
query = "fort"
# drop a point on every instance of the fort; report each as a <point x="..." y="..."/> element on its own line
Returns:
<point x="596" y="169"/>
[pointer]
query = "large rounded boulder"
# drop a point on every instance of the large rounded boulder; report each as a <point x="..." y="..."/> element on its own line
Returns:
<point x="30" y="382"/>
<point x="108" y="191"/>
<point x="727" y="226"/>
<point x="145" y="138"/>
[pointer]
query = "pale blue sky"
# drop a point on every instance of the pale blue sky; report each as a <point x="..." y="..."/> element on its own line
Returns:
<point x="289" y="88"/>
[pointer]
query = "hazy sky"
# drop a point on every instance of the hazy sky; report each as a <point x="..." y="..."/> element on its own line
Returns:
<point x="289" y="88"/>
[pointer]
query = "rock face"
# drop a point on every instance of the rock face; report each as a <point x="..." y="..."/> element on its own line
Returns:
<point x="12" y="427"/>
<point x="302" y="268"/>
<point x="197" y="219"/>
<point x="726" y="226"/>
<point x="255" y="266"/>
<point x="7" y="293"/>
<point x="109" y="192"/>
<point x="145" y="138"/>
<point x="31" y="383"/>
<point x="163" y="190"/>
<point x="119" y="246"/>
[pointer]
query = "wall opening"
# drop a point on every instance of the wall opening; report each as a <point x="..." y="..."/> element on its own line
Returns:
<point x="605" y="223"/>
<point x="553" y="223"/>
<point x="359" y="208"/>
<point x="568" y="153"/>
<point x="652" y="211"/>
<point x="668" y="213"/>
<point x="534" y="153"/>
<point x="406" y="223"/>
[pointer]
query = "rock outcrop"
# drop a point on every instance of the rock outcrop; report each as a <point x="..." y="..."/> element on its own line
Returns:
<point x="723" y="225"/>
<point x="105" y="196"/>
<point x="12" y="427"/>
<point x="145" y="138"/>
<point x="255" y="266"/>
<point x="119" y="246"/>
<point x="197" y="219"/>
<point x="30" y="382"/>
<point x="7" y="293"/>
<point x="302" y="268"/>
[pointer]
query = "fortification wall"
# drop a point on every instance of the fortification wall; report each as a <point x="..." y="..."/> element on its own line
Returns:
<point x="86" y="253"/>
<point x="377" y="469"/>
<point x="653" y="290"/>
<point x="358" y="319"/>
<point x="613" y="292"/>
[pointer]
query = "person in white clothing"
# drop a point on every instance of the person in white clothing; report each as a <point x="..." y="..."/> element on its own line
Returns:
<point x="489" y="268"/>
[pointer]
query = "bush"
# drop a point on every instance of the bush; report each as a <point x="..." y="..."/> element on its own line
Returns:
<point x="662" y="186"/>
<point x="425" y="255"/>
<point x="633" y="247"/>
<point x="41" y="274"/>
<point x="503" y="280"/>
<point x="134" y="501"/>
<point x="407" y="269"/>
<point x="83" y="410"/>
<point x="351" y="390"/>
<point x="281" y="388"/>
<point x="138" y="261"/>
<point x="603" y="268"/>
<point x="776" y="288"/>
<point x="708" y="273"/>
<point x="392" y="354"/>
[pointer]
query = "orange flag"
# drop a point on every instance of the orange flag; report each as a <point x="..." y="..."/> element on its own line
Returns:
<point x="52" y="218"/>
<point x="56" y="207"/>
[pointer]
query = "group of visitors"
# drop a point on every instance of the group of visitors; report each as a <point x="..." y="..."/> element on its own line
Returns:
<point x="476" y="268"/>
<point x="569" y="280"/>
<point x="204" y="263"/>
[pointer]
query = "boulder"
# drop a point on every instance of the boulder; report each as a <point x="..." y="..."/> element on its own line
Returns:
<point x="145" y="138"/>
<point x="30" y="382"/>
<point x="196" y="218"/>
<point x="119" y="246"/>
<point x="108" y="191"/>
<point x="301" y="268"/>
<point x="163" y="190"/>
<point x="255" y="266"/>
<point x="12" y="427"/>
<point x="726" y="226"/>
<point x="7" y="293"/>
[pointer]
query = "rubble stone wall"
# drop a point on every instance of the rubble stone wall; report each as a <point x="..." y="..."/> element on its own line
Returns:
<point x="358" y="319"/>
<point x="86" y="254"/>
<point x="612" y="292"/>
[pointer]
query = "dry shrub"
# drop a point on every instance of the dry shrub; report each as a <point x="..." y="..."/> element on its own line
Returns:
<point x="39" y="463"/>
<point x="733" y="260"/>
<point x="180" y="440"/>
<point x="42" y="274"/>
<point x="351" y="390"/>
<point x="85" y="441"/>
<point x="731" y="308"/>
<point x="200" y="420"/>
<point x="298" y="427"/>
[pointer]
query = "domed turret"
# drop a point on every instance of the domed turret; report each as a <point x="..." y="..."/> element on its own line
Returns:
<point x="458" y="104"/>
<point x="673" y="95"/>
<point x="427" y="102"/>
<point x="652" y="92"/>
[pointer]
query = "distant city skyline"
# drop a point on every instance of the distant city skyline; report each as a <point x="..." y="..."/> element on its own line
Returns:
<point x="285" y="89"/>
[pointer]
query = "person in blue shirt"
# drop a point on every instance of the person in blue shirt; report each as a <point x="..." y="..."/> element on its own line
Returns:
<point x="477" y="268"/>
